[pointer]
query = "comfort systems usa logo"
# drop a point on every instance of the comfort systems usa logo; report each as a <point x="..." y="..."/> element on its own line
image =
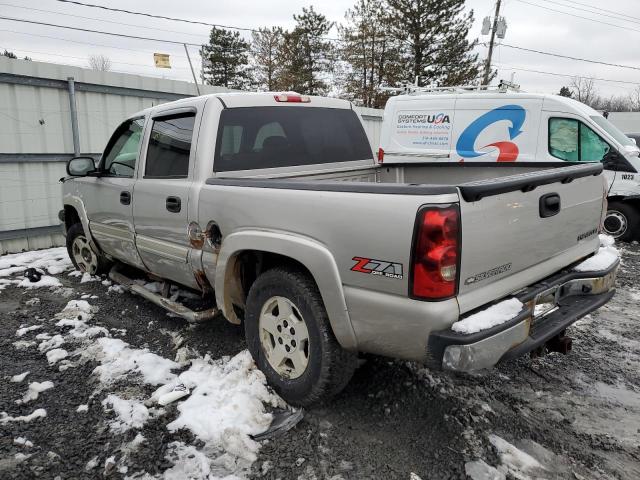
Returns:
<point x="508" y="150"/>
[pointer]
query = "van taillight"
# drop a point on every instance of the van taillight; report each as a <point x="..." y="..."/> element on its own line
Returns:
<point x="436" y="253"/>
<point x="380" y="155"/>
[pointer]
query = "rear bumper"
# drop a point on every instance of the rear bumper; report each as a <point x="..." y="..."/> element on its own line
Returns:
<point x="576" y="295"/>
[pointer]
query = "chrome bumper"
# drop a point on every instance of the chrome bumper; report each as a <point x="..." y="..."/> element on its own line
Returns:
<point x="561" y="300"/>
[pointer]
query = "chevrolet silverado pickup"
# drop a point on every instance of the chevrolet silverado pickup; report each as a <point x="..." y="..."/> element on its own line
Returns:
<point x="272" y="206"/>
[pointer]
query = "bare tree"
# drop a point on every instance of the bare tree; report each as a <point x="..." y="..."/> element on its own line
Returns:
<point x="101" y="63"/>
<point x="584" y="90"/>
<point x="634" y="99"/>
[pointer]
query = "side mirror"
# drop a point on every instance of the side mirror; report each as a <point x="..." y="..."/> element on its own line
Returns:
<point x="80" y="166"/>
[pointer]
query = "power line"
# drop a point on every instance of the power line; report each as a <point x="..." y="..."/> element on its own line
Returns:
<point x="601" y="9"/>
<point x="175" y="19"/>
<point x="578" y="16"/>
<point x="83" y="42"/>
<point x="615" y="16"/>
<point x="103" y="20"/>
<point x="123" y="35"/>
<point x="506" y="66"/>
<point x="569" y="57"/>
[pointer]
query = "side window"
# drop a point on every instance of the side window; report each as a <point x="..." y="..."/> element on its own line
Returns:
<point x="563" y="139"/>
<point x="573" y="141"/>
<point x="170" y="146"/>
<point x="121" y="154"/>
<point x="592" y="147"/>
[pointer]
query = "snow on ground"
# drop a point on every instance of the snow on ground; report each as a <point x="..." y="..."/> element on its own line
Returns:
<point x="38" y="413"/>
<point x="34" y="391"/>
<point x="515" y="462"/>
<point x="23" y="442"/>
<point x="24" y="330"/>
<point x="606" y="256"/>
<point x="226" y="402"/>
<point x="226" y="405"/>
<point x="45" y="281"/>
<point x="130" y="413"/>
<point x="494" y="315"/>
<point x="19" y="378"/>
<point x="53" y="260"/>
<point x="55" y="355"/>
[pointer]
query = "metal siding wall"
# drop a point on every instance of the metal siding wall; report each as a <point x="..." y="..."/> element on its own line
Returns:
<point x="372" y="121"/>
<point x="30" y="193"/>
<point x="628" y="122"/>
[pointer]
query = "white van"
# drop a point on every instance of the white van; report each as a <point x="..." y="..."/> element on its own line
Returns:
<point x="514" y="129"/>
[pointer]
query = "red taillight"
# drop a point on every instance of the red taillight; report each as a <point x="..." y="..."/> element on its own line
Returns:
<point x="436" y="251"/>
<point x="380" y="155"/>
<point x="291" y="98"/>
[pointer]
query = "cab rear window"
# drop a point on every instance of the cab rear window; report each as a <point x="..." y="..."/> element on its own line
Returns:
<point x="250" y="138"/>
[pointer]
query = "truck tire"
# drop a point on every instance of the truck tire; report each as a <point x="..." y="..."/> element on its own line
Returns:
<point x="81" y="253"/>
<point x="621" y="221"/>
<point x="290" y="338"/>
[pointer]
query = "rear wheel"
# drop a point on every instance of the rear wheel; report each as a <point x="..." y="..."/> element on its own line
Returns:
<point x="290" y="338"/>
<point x="621" y="221"/>
<point x="81" y="253"/>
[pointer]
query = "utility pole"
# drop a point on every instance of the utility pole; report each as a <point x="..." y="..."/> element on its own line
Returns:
<point x="195" y="80"/>
<point x="494" y="28"/>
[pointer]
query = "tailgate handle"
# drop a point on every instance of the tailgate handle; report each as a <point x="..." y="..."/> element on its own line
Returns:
<point x="549" y="205"/>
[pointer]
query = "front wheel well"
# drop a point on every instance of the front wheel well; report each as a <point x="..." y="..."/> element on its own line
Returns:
<point x="243" y="268"/>
<point x="71" y="217"/>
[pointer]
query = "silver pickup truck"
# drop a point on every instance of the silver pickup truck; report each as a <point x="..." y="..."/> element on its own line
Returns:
<point x="273" y="207"/>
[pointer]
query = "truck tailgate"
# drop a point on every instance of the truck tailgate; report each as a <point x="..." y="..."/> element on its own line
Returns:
<point x="519" y="229"/>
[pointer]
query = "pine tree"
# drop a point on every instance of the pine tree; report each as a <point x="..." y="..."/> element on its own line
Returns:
<point x="307" y="55"/>
<point x="372" y="57"/>
<point x="565" y="92"/>
<point x="435" y="34"/>
<point x="266" y="53"/>
<point x="225" y="60"/>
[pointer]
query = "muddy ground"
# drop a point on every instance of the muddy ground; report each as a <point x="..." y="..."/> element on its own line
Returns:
<point x="578" y="416"/>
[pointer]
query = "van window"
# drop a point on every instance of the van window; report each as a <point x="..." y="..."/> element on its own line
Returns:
<point x="121" y="154"/>
<point x="573" y="141"/>
<point x="170" y="146"/>
<point x="268" y="137"/>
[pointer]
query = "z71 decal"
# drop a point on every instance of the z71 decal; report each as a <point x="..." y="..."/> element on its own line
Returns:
<point x="377" y="267"/>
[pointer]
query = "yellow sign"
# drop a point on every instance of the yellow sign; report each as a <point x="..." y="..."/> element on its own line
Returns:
<point x="161" y="60"/>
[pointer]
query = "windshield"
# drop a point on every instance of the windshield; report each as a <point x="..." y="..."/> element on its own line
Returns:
<point x="612" y="130"/>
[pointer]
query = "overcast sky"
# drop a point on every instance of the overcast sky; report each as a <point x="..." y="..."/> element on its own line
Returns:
<point x="529" y="25"/>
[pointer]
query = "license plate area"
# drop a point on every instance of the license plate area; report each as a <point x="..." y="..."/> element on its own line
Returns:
<point x="546" y="302"/>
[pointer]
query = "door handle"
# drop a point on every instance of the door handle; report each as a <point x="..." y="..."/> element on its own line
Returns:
<point x="173" y="204"/>
<point x="549" y="205"/>
<point x="125" y="198"/>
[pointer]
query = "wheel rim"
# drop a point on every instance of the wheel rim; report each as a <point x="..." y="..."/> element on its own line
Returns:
<point x="284" y="337"/>
<point x="85" y="259"/>
<point x="615" y="223"/>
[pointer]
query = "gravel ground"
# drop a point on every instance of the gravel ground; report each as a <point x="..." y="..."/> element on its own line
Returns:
<point x="575" y="416"/>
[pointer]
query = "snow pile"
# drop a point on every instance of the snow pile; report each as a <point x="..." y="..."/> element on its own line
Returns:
<point x="53" y="260"/>
<point x="479" y="470"/>
<point x="34" y="391"/>
<point x="130" y="413"/>
<point x="494" y="315"/>
<point x="55" y="355"/>
<point x="45" y="281"/>
<point x="606" y="256"/>
<point x="39" y="413"/>
<point x="23" y="442"/>
<point x="117" y="360"/>
<point x="226" y="405"/>
<point x="515" y="462"/>
<point x="20" y="377"/>
<point x="24" y="330"/>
